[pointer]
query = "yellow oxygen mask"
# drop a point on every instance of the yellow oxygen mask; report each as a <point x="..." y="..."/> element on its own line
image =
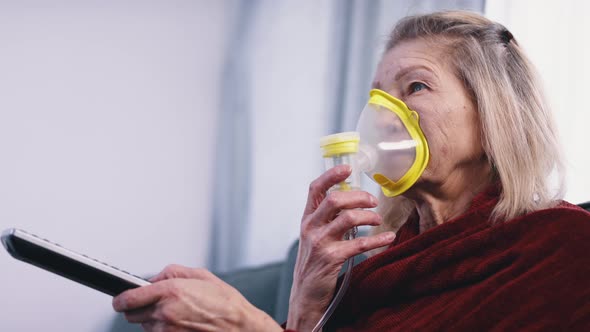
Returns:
<point x="389" y="146"/>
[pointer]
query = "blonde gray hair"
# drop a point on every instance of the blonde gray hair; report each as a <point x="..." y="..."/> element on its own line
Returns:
<point x="519" y="135"/>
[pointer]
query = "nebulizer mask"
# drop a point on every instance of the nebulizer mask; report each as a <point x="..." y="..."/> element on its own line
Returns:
<point x="388" y="146"/>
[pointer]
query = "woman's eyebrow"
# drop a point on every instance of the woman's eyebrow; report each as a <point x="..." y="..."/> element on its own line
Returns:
<point x="412" y="69"/>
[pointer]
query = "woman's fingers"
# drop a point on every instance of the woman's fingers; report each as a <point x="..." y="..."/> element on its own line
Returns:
<point x="148" y="326"/>
<point x="141" y="315"/>
<point x="178" y="271"/>
<point x="173" y="271"/>
<point x="348" y="219"/>
<point x="360" y="245"/>
<point x="138" y="297"/>
<point x="151" y="320"/>
<point x="319" y="187"/>
<point x="158" y="326"/>
<point x="338" y="201"/>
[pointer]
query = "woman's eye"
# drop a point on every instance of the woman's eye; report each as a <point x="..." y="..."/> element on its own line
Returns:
<point x="417" y="86"/>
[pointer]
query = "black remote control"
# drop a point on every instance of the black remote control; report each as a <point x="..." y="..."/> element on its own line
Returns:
<point x="77" y="267"/>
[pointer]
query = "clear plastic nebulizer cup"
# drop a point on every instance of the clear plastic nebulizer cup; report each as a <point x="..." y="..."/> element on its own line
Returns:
<point x="342" y="149"/>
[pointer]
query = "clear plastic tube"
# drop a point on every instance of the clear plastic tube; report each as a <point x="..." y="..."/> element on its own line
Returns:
<point x="343" y="287"/>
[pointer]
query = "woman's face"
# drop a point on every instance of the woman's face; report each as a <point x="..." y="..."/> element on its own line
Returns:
<point x="416" y="72"/>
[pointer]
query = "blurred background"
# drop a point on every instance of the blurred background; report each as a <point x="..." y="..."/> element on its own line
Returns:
<point x="144" y="133"/>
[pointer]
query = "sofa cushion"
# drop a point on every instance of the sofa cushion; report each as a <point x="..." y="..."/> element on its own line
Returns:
<point x="259" y="285"/>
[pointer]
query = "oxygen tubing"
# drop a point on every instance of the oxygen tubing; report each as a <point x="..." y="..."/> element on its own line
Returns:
<point x="343" y="287"/>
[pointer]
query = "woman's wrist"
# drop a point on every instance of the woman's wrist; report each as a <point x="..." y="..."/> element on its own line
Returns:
<point x="259" y="320"/>
<point x="302" y="318"/>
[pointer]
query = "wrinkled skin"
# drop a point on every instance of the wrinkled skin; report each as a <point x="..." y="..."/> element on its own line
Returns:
<point x="321" y="249"/>
<point x="182" y="299"/>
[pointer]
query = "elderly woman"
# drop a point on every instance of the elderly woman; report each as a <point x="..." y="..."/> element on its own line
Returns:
<point x="483" y="240"/>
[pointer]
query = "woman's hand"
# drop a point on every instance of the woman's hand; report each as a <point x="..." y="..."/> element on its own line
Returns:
<point x="322" y="250"/>
<point x="182" y="299"/>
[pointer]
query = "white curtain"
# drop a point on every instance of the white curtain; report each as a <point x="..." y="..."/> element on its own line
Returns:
<point x="555" y="35"/>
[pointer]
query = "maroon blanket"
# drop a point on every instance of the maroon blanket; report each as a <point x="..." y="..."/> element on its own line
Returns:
<point x="531" y="273"/>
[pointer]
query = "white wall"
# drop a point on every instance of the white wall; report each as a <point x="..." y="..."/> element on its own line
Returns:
<point x="107" y="113"/>
<point x="555" y="35"/>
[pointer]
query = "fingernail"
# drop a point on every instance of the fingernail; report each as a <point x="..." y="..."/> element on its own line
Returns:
<point x="374" y="201"/>
<point x="379" y="219"/>
<point x="389" y="236"/>
<point x="117" y="302"/>
<point x="345" y="169"/>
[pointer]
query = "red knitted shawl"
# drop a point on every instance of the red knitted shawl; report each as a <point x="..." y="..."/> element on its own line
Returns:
<point x="531" y="273"/>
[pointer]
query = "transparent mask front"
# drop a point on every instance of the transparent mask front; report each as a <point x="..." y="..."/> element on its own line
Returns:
<point x="387" y="147"/>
